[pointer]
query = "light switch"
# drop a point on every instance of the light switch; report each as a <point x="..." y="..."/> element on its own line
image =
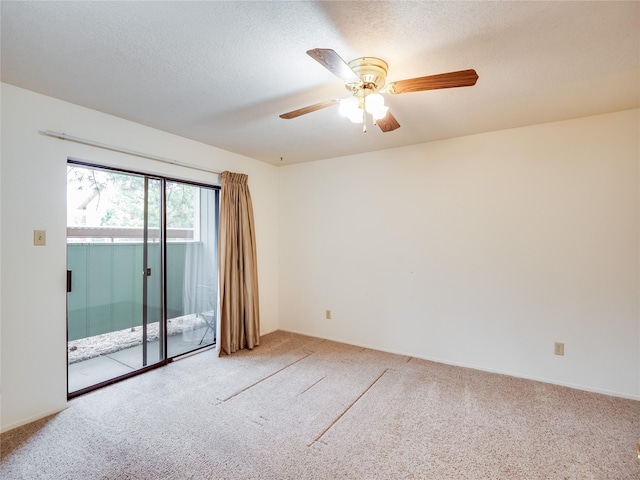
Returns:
<point x="558" y="348"/>
<point x="39" y="237"/>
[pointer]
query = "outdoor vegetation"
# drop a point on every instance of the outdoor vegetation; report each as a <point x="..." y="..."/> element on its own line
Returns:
<point x="105" y="198"/>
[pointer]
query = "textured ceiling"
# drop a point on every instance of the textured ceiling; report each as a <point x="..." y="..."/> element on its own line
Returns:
<point x="222" y="72"/>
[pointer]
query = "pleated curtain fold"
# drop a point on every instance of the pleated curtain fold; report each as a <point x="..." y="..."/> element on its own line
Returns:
<point x="239" y="308"/>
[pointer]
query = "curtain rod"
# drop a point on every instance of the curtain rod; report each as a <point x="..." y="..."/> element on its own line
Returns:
<point x="64" y="136"/>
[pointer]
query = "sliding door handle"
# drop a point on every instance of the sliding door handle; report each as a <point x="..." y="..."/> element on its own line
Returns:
<point x="68" y="281"/>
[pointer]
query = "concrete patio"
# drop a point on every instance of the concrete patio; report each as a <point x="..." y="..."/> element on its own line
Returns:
<point x="96" y="359"/>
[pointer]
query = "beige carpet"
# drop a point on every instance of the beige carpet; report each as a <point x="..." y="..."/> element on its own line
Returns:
<point x="303" y="408"/>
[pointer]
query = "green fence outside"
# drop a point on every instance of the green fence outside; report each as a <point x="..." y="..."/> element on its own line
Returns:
<point x="106" y="291"/>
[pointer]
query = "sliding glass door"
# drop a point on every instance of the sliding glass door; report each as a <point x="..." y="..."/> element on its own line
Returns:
<point x="192" y="281"/>
<point x="141" y="279"/>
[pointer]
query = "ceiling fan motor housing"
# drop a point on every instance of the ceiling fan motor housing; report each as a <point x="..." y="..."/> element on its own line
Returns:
<point x="372" y="72"/>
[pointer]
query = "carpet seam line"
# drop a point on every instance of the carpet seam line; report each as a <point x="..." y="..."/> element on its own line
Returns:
<point x="267" y="377"/>
<point x="311" y="386"/>
<point x="349" y="407"/>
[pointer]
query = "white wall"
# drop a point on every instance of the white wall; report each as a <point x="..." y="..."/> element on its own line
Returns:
<point x="479" y="251"/>
<point x="33" y="196"/>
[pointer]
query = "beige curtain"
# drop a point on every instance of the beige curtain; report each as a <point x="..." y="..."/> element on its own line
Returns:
<point x="239" y="312"/>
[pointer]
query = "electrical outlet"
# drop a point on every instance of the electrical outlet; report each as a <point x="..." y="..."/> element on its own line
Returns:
<point x="558" y="348"/>
<point x="328" y="314"/>
<point x="39" y="237"/>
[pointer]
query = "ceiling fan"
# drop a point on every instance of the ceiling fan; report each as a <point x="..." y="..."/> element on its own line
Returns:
<point x="365" y="78"/>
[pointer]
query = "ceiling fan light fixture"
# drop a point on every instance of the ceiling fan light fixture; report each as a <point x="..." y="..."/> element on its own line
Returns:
<point x="380" y="113"/>
<point x="374" y="105"/>
<point x="350" y="108"/>
<point x="356" y="116"/>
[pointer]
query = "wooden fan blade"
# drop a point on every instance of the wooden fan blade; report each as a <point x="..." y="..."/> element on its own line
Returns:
<point x="463" y="78"/>
<point x="330" y="60"/>
<point x="309" y="109"/>
<point x="388" y="123"/>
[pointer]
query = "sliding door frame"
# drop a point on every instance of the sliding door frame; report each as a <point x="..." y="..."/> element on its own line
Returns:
<point x="163" y="345"/>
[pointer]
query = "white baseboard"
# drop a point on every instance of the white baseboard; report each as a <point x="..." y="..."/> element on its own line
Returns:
<point x="19" y="423"/>
<point x="475" y="367"/>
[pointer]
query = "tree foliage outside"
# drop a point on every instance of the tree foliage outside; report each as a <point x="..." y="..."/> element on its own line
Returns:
<point x="98" y="197"/>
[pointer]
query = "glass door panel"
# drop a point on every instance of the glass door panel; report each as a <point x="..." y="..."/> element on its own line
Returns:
<point x="192" y="283"/>
<point x="115" y="277"/>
